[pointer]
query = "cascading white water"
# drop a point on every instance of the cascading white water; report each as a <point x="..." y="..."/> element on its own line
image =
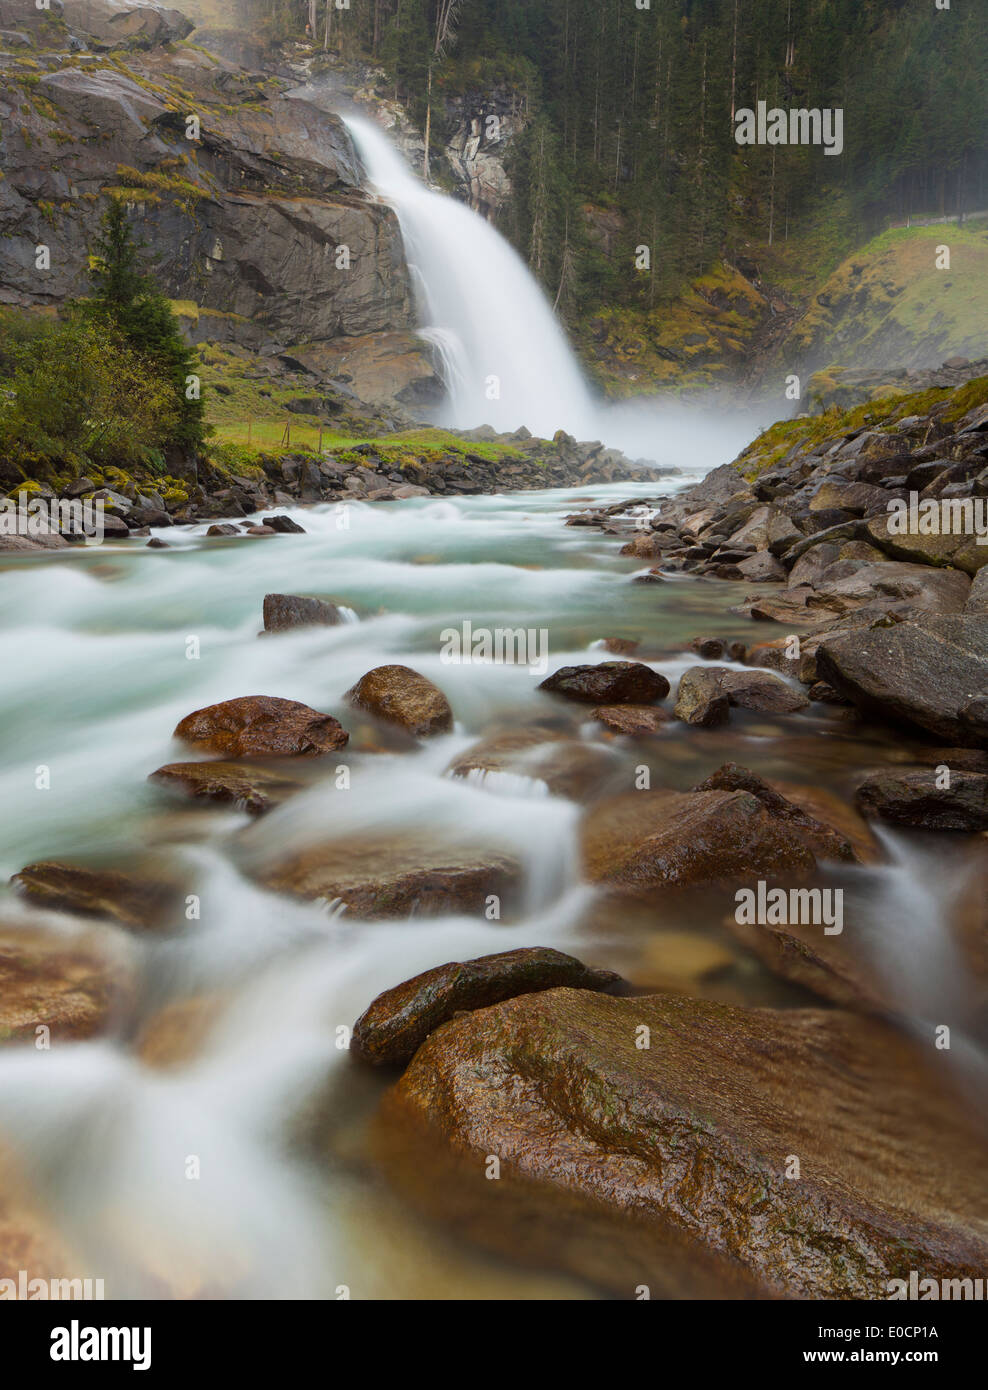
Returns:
<point x="506" y="357"/>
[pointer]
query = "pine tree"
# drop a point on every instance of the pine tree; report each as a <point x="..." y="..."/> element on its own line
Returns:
<point x="128" y="298"/>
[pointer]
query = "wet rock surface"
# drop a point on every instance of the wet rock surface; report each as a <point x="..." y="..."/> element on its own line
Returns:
<point x="398" y="877"/>
<point x="667" y="1165"/>
<point x="399" y="1021"/>
<point x="642" y="841"/>
<point x="927" y="799"/>
<point x="401" y="696"/>
<point x="76" y="986"/>
<point x="262" y="726"/>
<point x="609" y="682"/>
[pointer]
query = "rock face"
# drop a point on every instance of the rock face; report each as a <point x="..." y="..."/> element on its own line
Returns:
<point x="397" y="877"/>
<point x="401" y="696"/>
<point x="609" y="683"/>
<point x="701" y="699"/>
<point x="285" y="611"/>
<point x="664" y="839"/>
<point x="915" y="799"/>
<point x="251" y="789"/>
<point x="266" y="173"/>
<point x="666" y="1166"/>
<point x="137" y="903"/>
<point x="262" y="726"/>
<point x="931" y="673"/>
<point x="400" y="1019"/>
<point x="72" y="985"/>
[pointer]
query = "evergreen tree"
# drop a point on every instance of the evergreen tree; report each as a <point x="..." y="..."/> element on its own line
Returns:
<point x="128" y="298"/>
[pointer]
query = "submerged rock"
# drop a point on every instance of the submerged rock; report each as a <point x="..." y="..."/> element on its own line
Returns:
<point x="672" y="1165"/>
<point x="400" y="1019"/>
<point x="609" y="683"/>
<point x="76" y="986"/>
<point x="398" y="876"/>
<point x="565" y="766"/>
<point x="633" y="720"/>
<point x="399" y="695"/>
<point x="252" y="789"/>
<point x="284" y="611"/>
<point x="262" y="726"/>
<point x="137" y="903"/>
<point x="664" y="839"/>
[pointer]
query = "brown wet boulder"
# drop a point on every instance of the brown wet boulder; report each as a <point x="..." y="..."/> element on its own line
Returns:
<point x="251" y="789"/>
<point x="664" y="839"/>
<point x="139" y="903"/>
<point x="636" y="721"/>
<point x="76" y="986"/>
<point x="650" y="1141"/>
<point x="285" y="611"/>
<point x="400" y="1019"/>
<point x="823" y="840"/>
<point x="917" y="799"/>
<point x="262" y="726"/>
<point x="608" y="683"/>
<point x="931" y="673"/>
<point x="401" y="696"/>
<point x="398" y="876"/>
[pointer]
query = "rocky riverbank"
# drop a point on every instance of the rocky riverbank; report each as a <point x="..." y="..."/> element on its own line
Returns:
<point x="387" y="469"/>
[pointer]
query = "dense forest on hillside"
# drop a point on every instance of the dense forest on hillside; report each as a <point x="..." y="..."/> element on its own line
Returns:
<point x="631" y="111"/>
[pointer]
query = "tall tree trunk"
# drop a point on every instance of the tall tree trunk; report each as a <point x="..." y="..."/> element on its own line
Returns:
<point x="428" y="124"/>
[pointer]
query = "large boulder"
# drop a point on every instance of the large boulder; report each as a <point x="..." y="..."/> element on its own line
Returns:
<point x="262" y="726"/>
<point x="931" y="673"/>
<point x="401" y="696"/>
<point x="398" y="1021"/>
<point x="664" y="839"/>
<point x="693" y="1148"/>
<point x="608" y="683"/>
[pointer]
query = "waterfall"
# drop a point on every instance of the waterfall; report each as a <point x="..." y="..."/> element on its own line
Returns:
<point x="506" y="359"/>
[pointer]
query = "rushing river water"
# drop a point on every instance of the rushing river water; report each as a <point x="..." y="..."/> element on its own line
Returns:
<point x="97" y="673"/>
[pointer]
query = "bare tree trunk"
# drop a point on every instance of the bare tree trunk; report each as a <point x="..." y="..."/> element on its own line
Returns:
<point x="428" y="125"/>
